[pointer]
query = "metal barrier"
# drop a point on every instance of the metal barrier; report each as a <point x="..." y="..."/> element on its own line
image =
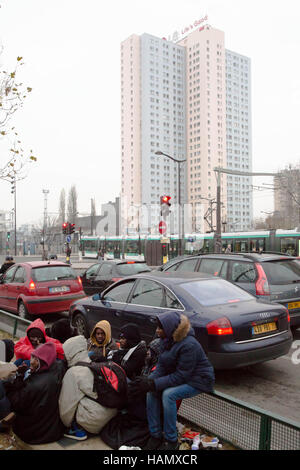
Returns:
<point x="16" y="320"/>
<point x="245" y="426"/>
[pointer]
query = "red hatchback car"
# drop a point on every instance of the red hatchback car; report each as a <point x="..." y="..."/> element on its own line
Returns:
<point x="36" y="288"/>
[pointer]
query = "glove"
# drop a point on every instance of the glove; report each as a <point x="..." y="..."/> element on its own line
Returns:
<point x="141" y="385"/>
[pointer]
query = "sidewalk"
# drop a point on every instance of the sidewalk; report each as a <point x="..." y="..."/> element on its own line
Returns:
<point x="91" y="443"/>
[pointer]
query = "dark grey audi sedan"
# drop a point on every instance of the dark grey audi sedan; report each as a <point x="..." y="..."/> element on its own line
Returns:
<point x="234" y="328"/>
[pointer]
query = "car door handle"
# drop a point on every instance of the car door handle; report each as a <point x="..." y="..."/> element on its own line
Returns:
<point x="153" y="319"/>
<point x="118" y="313"/>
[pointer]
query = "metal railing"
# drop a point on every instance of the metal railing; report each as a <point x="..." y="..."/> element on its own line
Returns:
<point x="15" y="320"/>
<point x="242" y="424"/>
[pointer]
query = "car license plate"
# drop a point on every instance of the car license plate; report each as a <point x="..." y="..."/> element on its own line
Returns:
<point x="264" y="328"/>
<point x="55" y="290"/>
<point x="294" y="305"/>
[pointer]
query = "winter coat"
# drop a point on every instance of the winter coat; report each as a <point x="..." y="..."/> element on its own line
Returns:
<point x="132" y="360"/>
<point x="77" y="398"/>
<point x="182" y="359"/>
<point x="24" y="348"/>
<point x="35" y="400"/>
<point x="107" y="345"/>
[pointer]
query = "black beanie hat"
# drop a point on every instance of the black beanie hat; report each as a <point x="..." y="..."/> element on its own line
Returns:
<point x="131" y="332"/>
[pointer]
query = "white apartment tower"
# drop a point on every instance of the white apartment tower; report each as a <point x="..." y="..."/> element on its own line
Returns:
<point x="173" y="99"/>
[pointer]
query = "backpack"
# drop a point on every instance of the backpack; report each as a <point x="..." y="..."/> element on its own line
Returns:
<point x="110" y="383"/>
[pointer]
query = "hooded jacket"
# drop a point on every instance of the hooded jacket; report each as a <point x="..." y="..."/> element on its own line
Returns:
<point x="35" y="400"/>
<point x="132" y="358"/>
<point x="24" y="348"/>
<point x="107" y="345"/>
<point x="182" y="359"/>
<point x="77" y="398"/>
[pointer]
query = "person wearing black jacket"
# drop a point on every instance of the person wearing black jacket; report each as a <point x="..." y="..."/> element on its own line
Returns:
<point x="33" y="396"/>
<point x="132" y="352"/>
<point x="9" y="261"/>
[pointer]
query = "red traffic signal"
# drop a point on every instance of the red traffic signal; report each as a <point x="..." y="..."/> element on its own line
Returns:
<point x="165" y="200"/>
<point x="71" y="228"/>
<point x="65" y="227"/>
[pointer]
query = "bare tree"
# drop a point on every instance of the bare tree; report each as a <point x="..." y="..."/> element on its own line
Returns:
<point x="12" y="96"/>
<point x="72" y="205"/>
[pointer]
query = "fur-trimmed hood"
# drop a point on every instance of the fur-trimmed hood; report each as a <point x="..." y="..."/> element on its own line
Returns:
<point x="176" y="326"/>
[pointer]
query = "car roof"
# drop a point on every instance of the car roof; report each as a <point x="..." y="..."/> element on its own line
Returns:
<point x="173" y="277"/>
<point x="39" y="264"/>
<point x="257" y="257"/>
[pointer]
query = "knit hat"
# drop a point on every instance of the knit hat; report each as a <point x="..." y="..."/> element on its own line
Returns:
<point x="131" y="333"/>
<point x="46" y="354"/>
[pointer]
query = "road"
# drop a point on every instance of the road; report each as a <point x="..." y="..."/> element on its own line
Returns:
<point x="273" y="385"/>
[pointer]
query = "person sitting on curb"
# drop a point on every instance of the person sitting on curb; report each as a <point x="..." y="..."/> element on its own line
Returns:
<point x="100" y="342"/>
<point x="79" y="410"/>
<point x="61" y="330"/>
<point x="33" y="397"/>
<point x="132" y="352"/>
<point x="182" y="371"/>
<point x="35" y="335"/>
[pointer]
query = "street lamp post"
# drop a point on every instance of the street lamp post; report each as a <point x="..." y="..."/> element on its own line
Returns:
<point x="180" y="211"/>
<point x="219" y="170"/>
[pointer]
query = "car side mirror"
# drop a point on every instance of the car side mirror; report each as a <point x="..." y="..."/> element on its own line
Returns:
<point x="97" y="297"/>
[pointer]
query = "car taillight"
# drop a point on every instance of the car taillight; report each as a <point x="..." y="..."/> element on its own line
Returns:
<point x="32" y="287"/>
<point x="221" y="326"/>
<point x="288" y="316"/>
<point x="79" y="281"/>
<point x="261" y="285"/>
<point x="115" y="279"/>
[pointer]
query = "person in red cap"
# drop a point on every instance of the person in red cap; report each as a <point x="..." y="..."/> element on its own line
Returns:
<point x="34" y="394"/>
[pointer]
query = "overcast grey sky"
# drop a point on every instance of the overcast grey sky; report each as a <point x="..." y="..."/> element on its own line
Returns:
<point x="71" y="120"/>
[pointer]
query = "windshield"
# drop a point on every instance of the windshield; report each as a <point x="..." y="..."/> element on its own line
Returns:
<point x="53" y="273"/>
<point x="283" y="271"/>
<point x="127" y="269"/>
<point x="215" y="292"/>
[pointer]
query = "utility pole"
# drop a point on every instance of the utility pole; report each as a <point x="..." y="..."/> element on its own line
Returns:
<point x="219" y="170"/>
<point x="45" y="192"/>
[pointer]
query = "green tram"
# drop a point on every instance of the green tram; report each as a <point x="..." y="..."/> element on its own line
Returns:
<point x="134" y="247"/>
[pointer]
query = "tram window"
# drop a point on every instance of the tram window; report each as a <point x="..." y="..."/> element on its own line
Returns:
<point x="288" y="246"/>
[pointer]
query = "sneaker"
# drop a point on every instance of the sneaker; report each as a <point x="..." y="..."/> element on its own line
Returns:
<point x="153" y="443"/>
<point x="169" y="445"/>
<point x="76" y="433"/>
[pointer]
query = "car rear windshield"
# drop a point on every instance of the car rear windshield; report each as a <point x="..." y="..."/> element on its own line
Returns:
<point x="53" y="273"/>
<point x="215" y="292"/>
<point x="282" y="271"/>
<point x="127" y="269"/>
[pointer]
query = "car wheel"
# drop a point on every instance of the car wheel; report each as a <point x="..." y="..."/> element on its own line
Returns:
<point x="22" y="311"/>
<point x="80" y="323"/>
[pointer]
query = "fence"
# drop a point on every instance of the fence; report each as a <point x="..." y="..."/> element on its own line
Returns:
<point x="243" y="425"/>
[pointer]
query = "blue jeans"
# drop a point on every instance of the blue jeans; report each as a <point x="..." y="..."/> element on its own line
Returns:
<point x="167" y="400"/>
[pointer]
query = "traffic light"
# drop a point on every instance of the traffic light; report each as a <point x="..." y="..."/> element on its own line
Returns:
<point x="65" y="227"/>
<point x="165" y="206"/>
<point x="8" y="236"/>
<point x="71" y="228"/>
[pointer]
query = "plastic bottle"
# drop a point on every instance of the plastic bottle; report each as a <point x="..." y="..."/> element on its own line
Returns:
<point x="196" y="442"/>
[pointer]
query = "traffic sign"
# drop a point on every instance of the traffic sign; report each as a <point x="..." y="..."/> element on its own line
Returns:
<point x="162" y="227"/>
<point x="68" y="238"/>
